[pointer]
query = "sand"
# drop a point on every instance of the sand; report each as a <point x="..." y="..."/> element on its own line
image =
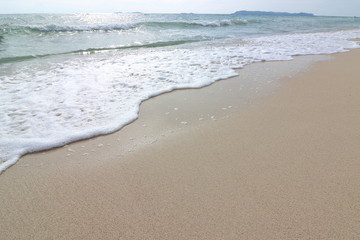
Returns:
<point x="282" y="162"/>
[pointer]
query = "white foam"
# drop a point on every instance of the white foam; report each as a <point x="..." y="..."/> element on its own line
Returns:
<point x="60" y="28"/>
<point x="44" y="104"/>
<point x="219" y="23"/>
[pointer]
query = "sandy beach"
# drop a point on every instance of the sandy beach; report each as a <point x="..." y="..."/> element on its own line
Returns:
<point x="235" y="160"/>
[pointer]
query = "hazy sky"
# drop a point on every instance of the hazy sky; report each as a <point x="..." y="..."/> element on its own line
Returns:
<point x="319" y="7"/>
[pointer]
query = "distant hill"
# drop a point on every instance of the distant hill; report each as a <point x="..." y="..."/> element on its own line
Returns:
<point x="272" y="13"/>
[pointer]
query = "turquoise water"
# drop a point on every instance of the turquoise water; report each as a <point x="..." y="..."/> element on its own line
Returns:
<point x="26" y="36"/>
<point x="74" y="76"/>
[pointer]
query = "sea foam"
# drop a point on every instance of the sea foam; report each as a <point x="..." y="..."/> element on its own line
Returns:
<point x="45" y="104"/>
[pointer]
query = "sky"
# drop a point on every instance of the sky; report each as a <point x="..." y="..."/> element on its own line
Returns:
<point x="318" y="7"/>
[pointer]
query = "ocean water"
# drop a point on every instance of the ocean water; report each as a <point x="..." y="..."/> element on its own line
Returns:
<point x="74" y="76"/>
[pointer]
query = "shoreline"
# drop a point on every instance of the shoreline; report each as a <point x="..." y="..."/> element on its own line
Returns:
<point x="282" y="165"/>
<point x="126" y="108"/>
<point x="254" y="85"/>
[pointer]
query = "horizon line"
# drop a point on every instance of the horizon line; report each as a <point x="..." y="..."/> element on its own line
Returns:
<point x="137" y="12"/>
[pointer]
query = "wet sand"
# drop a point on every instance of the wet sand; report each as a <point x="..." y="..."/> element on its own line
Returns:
<point x="281" y="162"/>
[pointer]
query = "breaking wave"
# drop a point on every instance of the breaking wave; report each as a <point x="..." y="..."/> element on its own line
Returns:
<point x="123" y="27"/>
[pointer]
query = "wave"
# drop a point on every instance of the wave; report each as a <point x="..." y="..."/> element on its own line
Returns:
<point x="51" y="28"/>
<point x="97" y="50"/>
<point x="87" y="28"/>
<point x="184" y="24"/>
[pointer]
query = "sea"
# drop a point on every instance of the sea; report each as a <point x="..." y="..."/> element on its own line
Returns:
<point x="66" y="77"/>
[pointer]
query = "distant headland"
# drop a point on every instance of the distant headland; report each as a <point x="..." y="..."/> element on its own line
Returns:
<point x="271" y="13"/>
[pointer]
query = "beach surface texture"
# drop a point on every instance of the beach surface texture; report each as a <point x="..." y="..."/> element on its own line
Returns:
<point x="204" y="164"/>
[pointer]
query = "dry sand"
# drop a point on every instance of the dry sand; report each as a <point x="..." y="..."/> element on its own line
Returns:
<point x="213" y="163"/>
